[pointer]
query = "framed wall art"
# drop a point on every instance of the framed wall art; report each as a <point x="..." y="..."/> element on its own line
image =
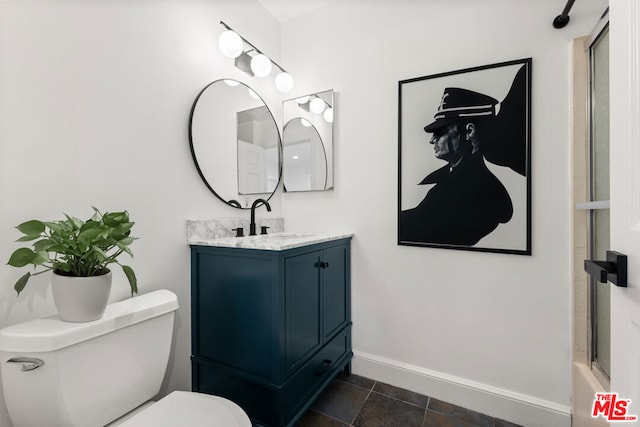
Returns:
<point x="464" y="159"/>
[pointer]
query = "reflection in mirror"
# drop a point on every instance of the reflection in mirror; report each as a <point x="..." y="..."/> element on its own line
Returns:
<point x="306" y="165"/>
<point x="234" y="142"/>
<point x="307" y="142"/>
<point x="258" y="140"/>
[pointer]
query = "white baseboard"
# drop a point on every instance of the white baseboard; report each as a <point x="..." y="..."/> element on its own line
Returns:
<point x="517" y="408"/>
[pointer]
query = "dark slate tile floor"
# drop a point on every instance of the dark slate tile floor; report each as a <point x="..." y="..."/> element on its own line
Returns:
<point x="354" y="401"/>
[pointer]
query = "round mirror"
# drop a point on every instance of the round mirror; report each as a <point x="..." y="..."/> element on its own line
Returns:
<point x="235" y="143"/>
<point x="304" y="160"/>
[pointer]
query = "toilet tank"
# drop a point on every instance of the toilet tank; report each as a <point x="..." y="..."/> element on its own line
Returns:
<point x="93" y="372"/>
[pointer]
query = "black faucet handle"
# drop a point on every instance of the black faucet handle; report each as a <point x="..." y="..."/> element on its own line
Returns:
<point x="239" y="231"/>
<point x="263" y="229"/>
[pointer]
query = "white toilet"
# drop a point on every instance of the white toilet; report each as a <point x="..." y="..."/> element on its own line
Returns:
<point x="61" y="374"/>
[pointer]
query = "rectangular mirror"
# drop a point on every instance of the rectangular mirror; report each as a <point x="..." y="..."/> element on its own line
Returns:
<point x="307" y="142"/>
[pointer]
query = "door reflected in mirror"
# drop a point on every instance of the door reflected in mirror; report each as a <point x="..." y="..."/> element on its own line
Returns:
<point x="307" y="142"/>
<point x="235" y="143"/>
<point x="258" y="139"/>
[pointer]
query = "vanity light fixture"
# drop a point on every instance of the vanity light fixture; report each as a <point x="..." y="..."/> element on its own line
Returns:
<point x="230" y="44"/>
<point x="261" y="65"/>
<point x="313" y="103"/>
<point x="317" y="105"/>
<point x="328" y="115"/>
<point x="252" y="61"/>
<point x="284" y="82"/>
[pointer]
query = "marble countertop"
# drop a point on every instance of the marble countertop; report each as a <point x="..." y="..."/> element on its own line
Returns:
<point x="272" y="242"/>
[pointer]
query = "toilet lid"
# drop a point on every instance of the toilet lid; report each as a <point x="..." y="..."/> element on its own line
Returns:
<point x="183" y="408"/>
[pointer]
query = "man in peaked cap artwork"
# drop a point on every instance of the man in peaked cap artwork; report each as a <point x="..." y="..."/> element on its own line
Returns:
<point x="467" y="201"/>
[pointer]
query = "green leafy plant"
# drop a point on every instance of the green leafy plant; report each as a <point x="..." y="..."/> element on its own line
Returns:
<point x="73" y="247"/>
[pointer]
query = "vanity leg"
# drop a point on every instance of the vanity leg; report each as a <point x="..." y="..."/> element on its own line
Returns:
<point x="347" y="368"/>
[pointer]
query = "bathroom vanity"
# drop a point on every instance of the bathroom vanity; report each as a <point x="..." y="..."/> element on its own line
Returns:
<point x="271" y="320"/>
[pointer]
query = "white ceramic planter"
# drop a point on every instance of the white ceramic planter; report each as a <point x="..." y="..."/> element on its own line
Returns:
<point x="81" y="299"/>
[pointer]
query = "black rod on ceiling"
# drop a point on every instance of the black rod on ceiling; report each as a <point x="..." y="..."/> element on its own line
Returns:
<point x="563" y="19"/>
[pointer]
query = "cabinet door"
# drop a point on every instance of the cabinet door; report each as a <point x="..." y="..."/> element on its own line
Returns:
<point x="335" y="301"/>
<point x="233" y="315"/>
<point x="302" y="312"/>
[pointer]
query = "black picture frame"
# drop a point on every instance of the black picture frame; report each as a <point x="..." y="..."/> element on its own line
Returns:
<point x="481" y="120"/>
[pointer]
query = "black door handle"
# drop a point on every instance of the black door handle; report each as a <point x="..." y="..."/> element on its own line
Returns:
<point x="614" y="269"/>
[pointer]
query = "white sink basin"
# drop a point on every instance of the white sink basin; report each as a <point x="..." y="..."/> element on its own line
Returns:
<point x="272" y="242"/>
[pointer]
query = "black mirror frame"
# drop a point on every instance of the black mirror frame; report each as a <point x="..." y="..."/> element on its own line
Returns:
<point x="232" y="202"/>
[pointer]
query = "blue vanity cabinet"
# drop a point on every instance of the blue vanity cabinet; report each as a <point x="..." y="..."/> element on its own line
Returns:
<point x="270" y="329"/>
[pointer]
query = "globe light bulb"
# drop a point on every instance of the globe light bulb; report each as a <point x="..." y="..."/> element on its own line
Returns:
<point x="261" y="65"/>
<point x="317" y="105"/>
<point x="284" y="82"/>
<point x="230" y="44"/>
<point x="302" y="100"/>
<point x="328" y="115"/>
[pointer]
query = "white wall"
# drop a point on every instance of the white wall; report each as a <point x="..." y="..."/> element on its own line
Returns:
<point x="94" y="102"/>
<point x="94" y="107"/>
<point x="488" y="331"/>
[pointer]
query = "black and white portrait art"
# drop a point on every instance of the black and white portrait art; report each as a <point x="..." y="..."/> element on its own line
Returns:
<point x="464" y="159"/>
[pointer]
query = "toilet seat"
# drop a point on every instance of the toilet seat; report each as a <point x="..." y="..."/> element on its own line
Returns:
<point x="183" y="408"/>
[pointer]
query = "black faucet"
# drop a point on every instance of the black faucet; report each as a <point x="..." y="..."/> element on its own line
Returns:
<point x="252" y="225"/>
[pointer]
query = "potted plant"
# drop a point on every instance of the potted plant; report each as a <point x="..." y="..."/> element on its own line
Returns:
<point x="78" y="253"/>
